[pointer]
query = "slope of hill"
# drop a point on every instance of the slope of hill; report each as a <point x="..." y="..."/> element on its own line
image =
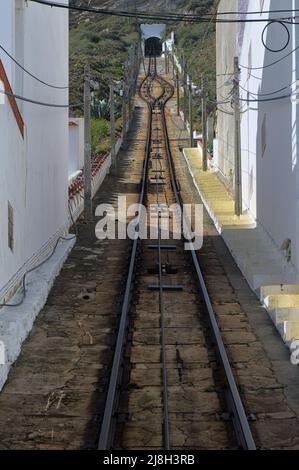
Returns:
<point x="104" y="41"/>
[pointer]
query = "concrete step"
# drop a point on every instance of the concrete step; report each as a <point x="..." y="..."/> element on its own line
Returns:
<point x="258" y="280"/>
<point x="278" y="290"/>
<point x="281" y="315"/>
<point x="289" y="331"/>
<point x="278" y="301"/>
<point x="228" y="222"/>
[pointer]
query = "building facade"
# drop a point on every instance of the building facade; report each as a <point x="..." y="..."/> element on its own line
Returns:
<point x="269" y="68"/>
<point x="33" y="138"/>
<point x="76" y="146"/>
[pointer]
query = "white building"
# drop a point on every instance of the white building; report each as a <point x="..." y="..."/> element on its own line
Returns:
<point x="76" y="146"/>
<point x="150" y="33"/>
<point x="269" y="129"/>
<point x="33" y="138"/>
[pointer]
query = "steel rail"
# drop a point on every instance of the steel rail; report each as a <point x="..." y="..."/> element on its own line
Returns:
<point x="106" y="434"/>
<point x="166" y="435"/>
<point x="105" y="438"/>
<point x="233" y="399"/>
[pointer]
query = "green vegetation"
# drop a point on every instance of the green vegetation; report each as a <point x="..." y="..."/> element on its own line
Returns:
<point x="104" y="42"/>
<point x="199" y="44"/>
<point x="100" y="135"/>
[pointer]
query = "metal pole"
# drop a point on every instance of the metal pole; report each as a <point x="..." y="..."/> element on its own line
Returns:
<point x="178" y="92"/>
<point x="87" y="147"/>
<point x="124" y="105"/>
<point x="185" y="88"/>
<point x="165" y="54"/>
<point x="204" y="124"/>
<point x="191" y="113"/>
<point x="130" y="84"/>
<point x="238" y="162"/>
<point x="173" y="65"/>
<point x="112" y="125"/>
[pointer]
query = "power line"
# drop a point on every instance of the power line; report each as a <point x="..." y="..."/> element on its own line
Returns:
<point x="19" y="303"/>
<point x="219" y="102"/>
<point x="40" y="103"/>
<point x="262" y="67"/>
<point x="257" y="12"/>
<point x="224" y="74"/>
<point x="273" y="63"/>
<point x="175" y="15"/>
<point x="267" y="99"/>
<point x="202" y="18"/>
<point x="265" y="94"/>
<point x="29" y="73"/>
<point x="224" y="112"/>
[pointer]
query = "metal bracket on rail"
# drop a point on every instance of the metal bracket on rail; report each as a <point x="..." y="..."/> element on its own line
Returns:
<point x="168" y="287"/>
<point x="162" y="247"/>
<point x="166" y="269"/>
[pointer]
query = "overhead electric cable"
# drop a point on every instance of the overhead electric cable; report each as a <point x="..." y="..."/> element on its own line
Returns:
<point x="29" y="73"/>
<point x="270" y="65"/>
<point x="202" y="18"/>
<point x="224" y="112"/>
<point x="265" y="94"/>
<point x="276" y="98"/>
<point x="40" y="103"/>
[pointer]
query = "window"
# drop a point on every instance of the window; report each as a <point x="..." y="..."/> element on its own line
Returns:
<point x="10" y="227"/>
<point x="264" y="135"/>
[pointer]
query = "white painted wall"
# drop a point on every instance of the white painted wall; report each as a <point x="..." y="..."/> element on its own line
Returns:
<point x="76" y="145"/>
<point x="13" y="189"/>
<point x="270" y="178"/>
<point x="7" y="20"/>
<point x="151" y="30"/>
<point x="226" y="38"/>
<point x="34" y="173"/>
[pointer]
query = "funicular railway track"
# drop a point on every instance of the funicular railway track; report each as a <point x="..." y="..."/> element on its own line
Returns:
<point x="170" y="379"/>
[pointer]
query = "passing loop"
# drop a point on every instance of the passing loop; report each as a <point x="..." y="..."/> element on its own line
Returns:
<point x="264" y="32"/>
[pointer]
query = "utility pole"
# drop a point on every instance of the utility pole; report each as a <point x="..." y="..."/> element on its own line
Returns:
<point x="130" y="84"/>
<point x="124" y="104"/>
<point x="87" y="147"/>
<point x="112" y="125"/>
<point x="136" y="65"/>
<point x="131" y="80"/>
<point x="178" y="91"/>
<point x="135" y="11"/>
<point x="191" y="113"/>
<point x="173" y="65"/>
<point x="165" y="53"/>
<point x="204" y="124"/>
<point x="125" y="8"/>
<point x="185" y="87"/>
<point x="237" y="118"/>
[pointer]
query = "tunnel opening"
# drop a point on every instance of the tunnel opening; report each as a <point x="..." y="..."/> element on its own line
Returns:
<point x="153" y="47"/>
